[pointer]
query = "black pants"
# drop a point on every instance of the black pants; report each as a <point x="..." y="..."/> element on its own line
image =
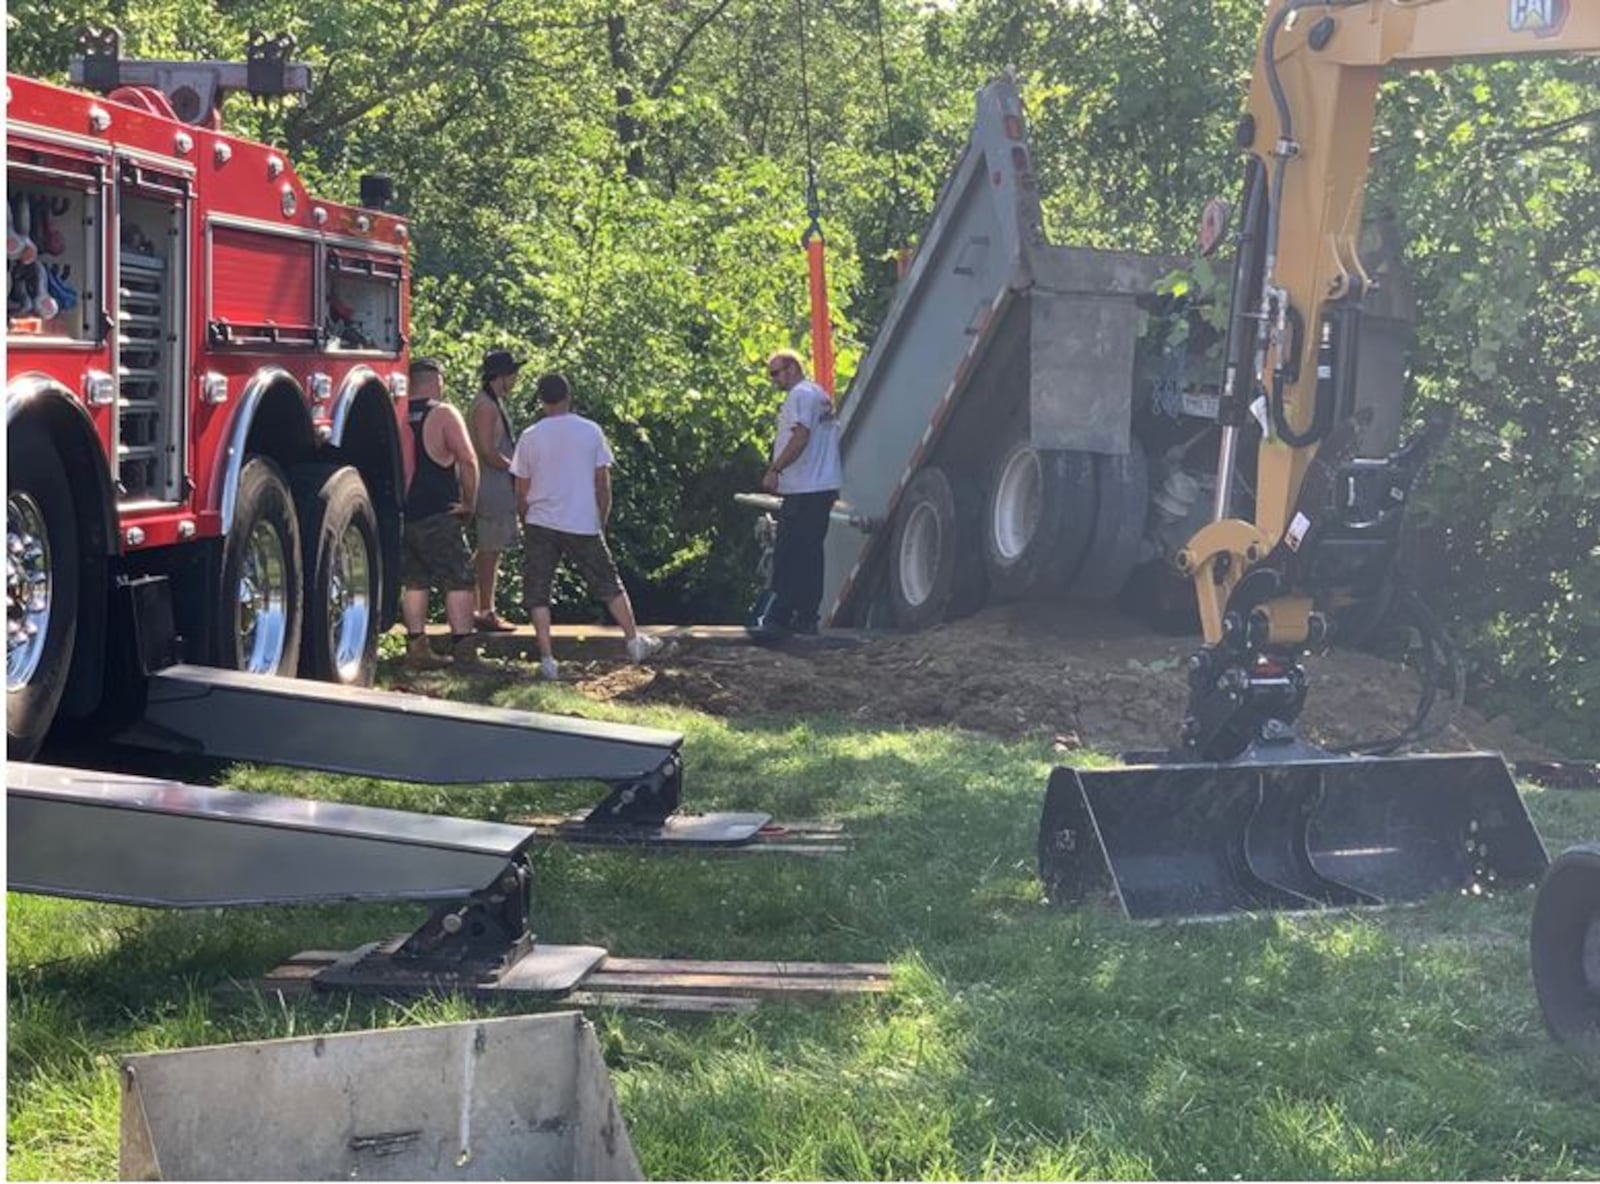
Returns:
<point x="797" y="558"/>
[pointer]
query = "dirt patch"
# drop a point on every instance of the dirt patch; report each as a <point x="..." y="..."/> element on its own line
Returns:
<point x="1088" y="677"/>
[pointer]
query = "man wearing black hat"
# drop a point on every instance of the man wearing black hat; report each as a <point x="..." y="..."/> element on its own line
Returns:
<point x="441" y="489"/>
<point x="497" y="509"/>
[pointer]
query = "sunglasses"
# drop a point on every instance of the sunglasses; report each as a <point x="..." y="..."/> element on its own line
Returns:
<point x="774" y="371"/>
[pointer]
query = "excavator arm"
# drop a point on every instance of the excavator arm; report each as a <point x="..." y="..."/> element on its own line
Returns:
<point x="1325" y="525"/>
<point x="1246" y="816"/>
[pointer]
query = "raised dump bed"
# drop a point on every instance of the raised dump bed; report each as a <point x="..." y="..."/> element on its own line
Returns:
<point x="525" y="1098"/>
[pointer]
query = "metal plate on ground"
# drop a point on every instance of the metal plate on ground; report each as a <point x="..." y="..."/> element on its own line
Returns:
<point x="681" y="830"/>
<point x="548" y="970"/>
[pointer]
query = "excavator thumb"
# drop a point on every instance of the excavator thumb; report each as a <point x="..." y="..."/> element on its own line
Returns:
<point x="1284" y="828"/>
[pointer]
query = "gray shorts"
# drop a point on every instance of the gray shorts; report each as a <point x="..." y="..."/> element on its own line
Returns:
<point x="497" y="532"/>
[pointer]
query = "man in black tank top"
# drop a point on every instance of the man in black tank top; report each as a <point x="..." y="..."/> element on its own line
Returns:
<point x="441" y="490"/>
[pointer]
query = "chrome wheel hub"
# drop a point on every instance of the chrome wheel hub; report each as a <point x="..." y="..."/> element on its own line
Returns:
<point x="28" y="589"/>
<point x="263" y="601"/>
<point x="349" y="603"/>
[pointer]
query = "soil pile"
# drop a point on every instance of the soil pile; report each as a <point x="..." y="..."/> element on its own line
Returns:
<point x="1088" y="677"/>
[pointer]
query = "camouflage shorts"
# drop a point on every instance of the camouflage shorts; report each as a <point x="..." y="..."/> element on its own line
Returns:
<point x="543" y="550"/>
<point x="434" y="554"/>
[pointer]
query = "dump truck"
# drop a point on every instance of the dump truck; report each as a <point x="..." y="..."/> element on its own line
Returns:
<point x="205" y="399"/>
<point x="1018" y="429"/>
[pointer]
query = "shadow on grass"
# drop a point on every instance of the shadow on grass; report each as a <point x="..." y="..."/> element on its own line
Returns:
<point x="1019" y="1040"/>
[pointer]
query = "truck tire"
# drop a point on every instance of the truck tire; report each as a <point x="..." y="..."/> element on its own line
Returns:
<point x="1564" y="948"/>
<point x="260" y="601"/>
<point x="1040" y="518"/>
<point x="42" y="573"/>
<point x="932" y="573"/>
<point x="343" y="575"/>
<point x="1122" y="502"/>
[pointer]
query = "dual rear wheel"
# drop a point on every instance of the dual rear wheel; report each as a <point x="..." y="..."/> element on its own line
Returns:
<point x="301" y="575"/>
<point x="1051" y="523"/>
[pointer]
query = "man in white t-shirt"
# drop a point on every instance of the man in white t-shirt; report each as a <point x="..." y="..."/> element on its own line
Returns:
<point x="805" y="470"/>
<point x="562" y="472"/>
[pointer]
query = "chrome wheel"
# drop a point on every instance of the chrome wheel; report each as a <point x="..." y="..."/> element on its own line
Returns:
<point x="349" y="602"/>
<point x="263" y="601"/>
<point x="1017" y="504"/>
<point x="28" y="589"/>
<point x="919" y="554"/>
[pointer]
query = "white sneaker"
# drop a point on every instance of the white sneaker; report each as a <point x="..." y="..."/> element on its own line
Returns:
<point x="641" y="647"/>
<point x="549" y="669"/>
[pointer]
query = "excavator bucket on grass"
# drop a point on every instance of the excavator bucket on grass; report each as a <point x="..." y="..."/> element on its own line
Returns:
<point x="1257" y="835"/>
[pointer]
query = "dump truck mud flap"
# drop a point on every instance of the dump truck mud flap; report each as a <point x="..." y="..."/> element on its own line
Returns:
<point x="1199" y="840"/>
<point x="524" y="1098"/>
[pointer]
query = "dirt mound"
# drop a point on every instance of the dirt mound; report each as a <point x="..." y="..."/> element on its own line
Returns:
<point x="1089" y="677"/>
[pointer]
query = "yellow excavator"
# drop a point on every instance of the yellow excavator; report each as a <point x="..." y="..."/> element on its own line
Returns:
<point x="1245" y="815"/>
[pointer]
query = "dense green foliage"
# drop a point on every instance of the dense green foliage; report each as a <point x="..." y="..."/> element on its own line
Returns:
<point x="1018" y="1041"/>
<point x="619" y="187"/>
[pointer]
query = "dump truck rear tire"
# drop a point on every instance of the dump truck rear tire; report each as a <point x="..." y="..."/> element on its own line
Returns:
<point x="42" y="573"/>
<point x="1565" y="947"/>
<point x="343" y="575"/>
<point x="1122" y="502"/>
<point x="1039" y="521"/>
<point x="932" y="570"/>
<point x="262" y="589"/>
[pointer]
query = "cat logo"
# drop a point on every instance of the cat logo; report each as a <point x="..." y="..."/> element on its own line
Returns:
<point x="1542" y="18"/>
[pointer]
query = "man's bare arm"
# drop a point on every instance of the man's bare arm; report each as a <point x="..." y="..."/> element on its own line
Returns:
<point x="792" y="448"/>
<point x="519" y="487"/>
<point x="602" y="493"/>
<point x="461" y="450"/>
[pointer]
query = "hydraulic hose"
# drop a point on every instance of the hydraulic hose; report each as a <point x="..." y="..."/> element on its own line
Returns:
<point x="1320" y="422"/>
<point x="1438" y="652"/>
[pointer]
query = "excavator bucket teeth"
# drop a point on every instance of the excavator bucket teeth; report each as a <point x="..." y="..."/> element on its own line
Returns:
<point x="1200" y="840"/>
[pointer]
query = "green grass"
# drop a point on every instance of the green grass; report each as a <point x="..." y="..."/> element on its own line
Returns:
<point x="1019" y="1041"/>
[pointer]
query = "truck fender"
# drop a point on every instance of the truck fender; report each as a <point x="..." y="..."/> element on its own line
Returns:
<point x="37" y="398"/>
<point x="373" y="446"/>
<point x="272" y="420"/>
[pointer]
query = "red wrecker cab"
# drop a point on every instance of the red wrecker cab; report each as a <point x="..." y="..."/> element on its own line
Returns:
<point x="205" y="384"/>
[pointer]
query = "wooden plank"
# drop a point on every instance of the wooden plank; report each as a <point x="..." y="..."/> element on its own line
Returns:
<point x="806" y="839"/>
<point x="762" y="984"/>
<point x="642" y="1001"/>
<point x="616" y="965"/>
<point x="659" y="984"/>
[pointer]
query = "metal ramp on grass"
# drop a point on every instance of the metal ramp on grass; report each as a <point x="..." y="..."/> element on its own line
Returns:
<point x="231" y="715"/>
<point x="167" y="844"/>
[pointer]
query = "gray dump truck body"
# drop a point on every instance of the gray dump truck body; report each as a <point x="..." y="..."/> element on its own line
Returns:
<point x="990" y="321"/>
<point x="1009" y="378"/>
